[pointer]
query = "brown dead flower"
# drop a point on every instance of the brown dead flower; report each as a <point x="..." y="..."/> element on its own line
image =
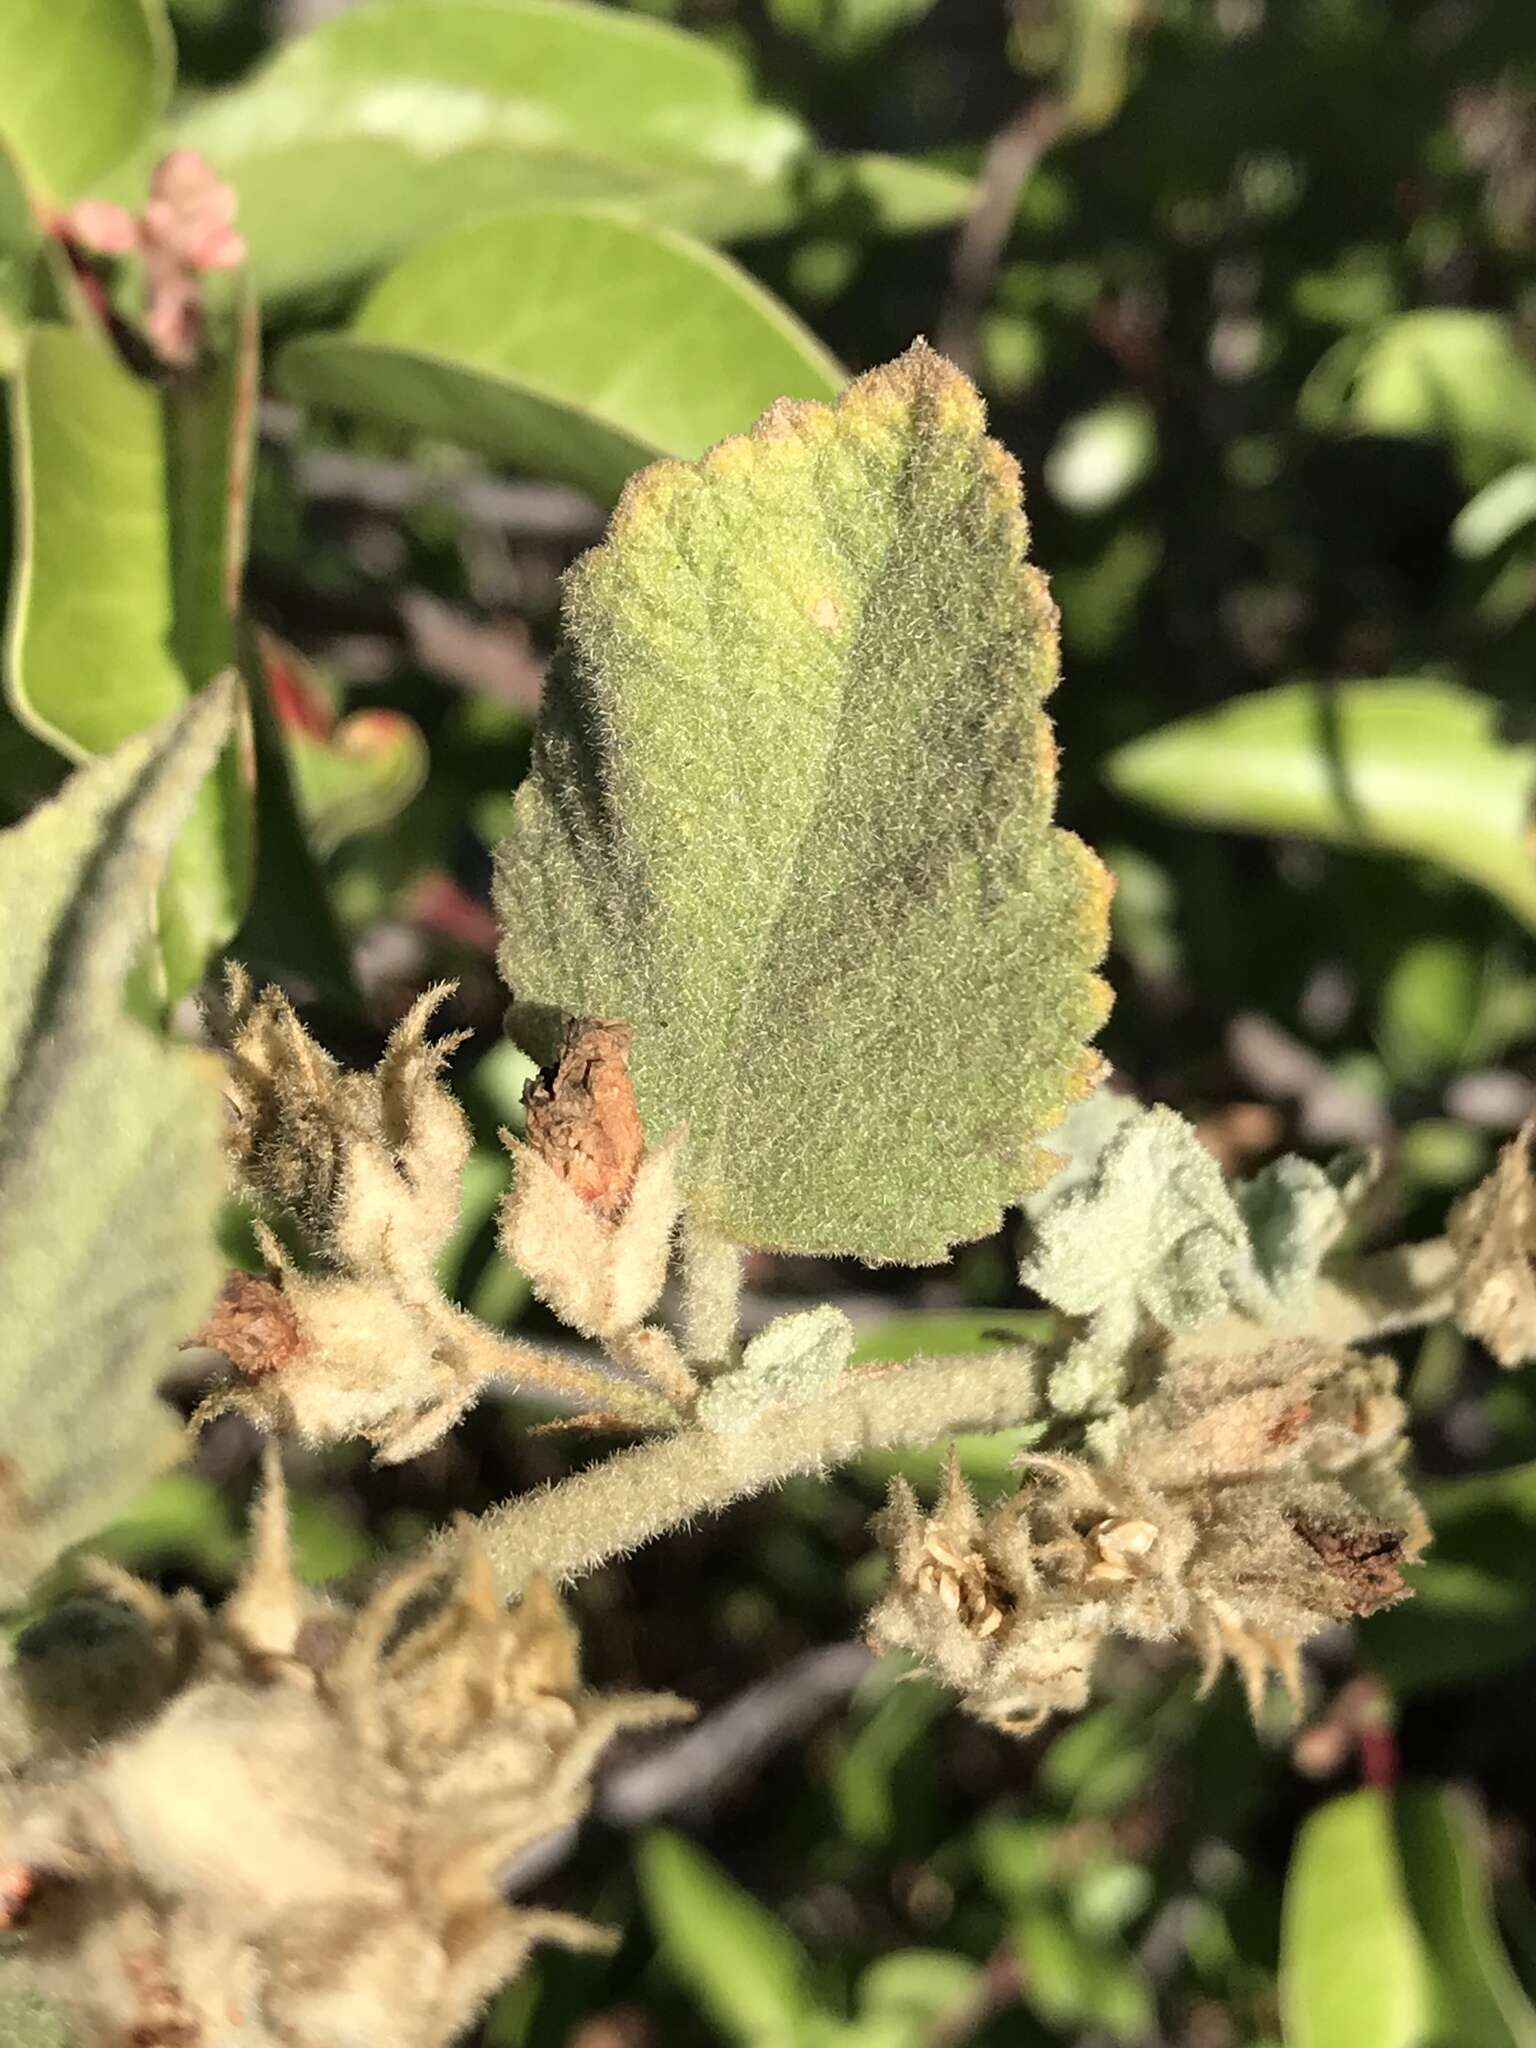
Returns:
<point x="291" y="1826"/>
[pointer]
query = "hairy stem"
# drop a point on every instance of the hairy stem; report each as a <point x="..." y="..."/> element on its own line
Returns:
<point x="711" y="1294"/>
<point x="571" y="1527"/>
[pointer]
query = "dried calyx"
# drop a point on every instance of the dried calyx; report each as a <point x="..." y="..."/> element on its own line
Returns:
<point x="1242" y="1508"/>
<point x="285" y="1821"/>
<point x="368" y="1167"/>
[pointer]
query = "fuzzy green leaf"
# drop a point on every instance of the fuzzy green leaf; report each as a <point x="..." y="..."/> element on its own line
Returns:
<point x="110" y="1160"/>
<point x="1149" y="1230"/>
<point x="622" y="342"/>
<point x="1417" y="768"/>
<point x="790" y="817"/>
<point x="81" y="81"/>
<point x="398" y="120"/>
<point x="796" y="1358"/>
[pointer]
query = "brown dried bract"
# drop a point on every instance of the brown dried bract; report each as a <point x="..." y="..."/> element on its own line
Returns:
<point x="253" y="1325"/>
<point x="1365" y="1560"/>
<point x="582" y="1117"/>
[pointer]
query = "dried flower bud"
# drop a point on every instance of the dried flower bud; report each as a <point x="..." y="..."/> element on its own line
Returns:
<point x="369" y="1165"/>
<point x="1494" y="1231"/>
<point x="1241" y="1508"/>
<point x="601" y="1277"/>
<point x="300" y="1837"/>
<point x="583" y="1120"/>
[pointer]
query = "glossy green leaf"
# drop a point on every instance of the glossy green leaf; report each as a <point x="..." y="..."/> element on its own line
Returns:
<point x="133" y="510"/>
<point x="1353" y="1968"/>
<point x="790" y="815"/>
<point x="1388" y="1935"/>
<point x="746" y="1970"/>
<point x="1442" y="372"/>
<point x="566" y="342"/>
<point x="1444" y="1856"/>
<point x="1413" y="768"/>
<point x="81" y="83"/>
<point x="395" y="121"/>
<point x="110" y="1147"/>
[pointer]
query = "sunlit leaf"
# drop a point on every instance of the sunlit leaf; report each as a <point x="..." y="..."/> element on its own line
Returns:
<point x="568" y="343"/>
<point x="1415" y="768"/>
<point x="395" y="121"/>
<point x="790" y="816"/>
<point x="81" y="82"/>
<point x="122" y="598"/>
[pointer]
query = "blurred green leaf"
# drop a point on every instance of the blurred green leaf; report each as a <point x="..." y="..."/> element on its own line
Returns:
<point x="951" y="1333"/>
<point x="393" y="122"/>
<point x="1445" y="1864"/>
<point x="922" y="1985"/>
<point x="840" y="29"/>
<point x="746" y="1970"/>
<point x="1101" y="455"/>
<point x="110" y="1155"/>
<point x="620" y="342"/>
<point x="1496" y="513"/>
<point x="1441" y="372"/>
<point x="121" y="604"/>
<point x="854" y="877"/>
<point x="81" y="83"/>
<point x="1474" y="1605"/>
<point x="1429" y="1006"/>
<point x="1388" y="1933"/>
<point x="1070" y="1980"/>
<point x="1352" y="1965"/>
<point x="886" y="194"/>
<point x="359" y="776"/>
<point x="1413" y="768"/>
<point x="20" y="236"/>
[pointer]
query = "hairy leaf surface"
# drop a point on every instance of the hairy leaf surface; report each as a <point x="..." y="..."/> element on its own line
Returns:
<point x="110" y="1165"/>
<point x="790" y="816"/>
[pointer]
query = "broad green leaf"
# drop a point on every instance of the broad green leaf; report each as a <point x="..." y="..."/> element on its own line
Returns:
<point x="566" y="342"/>
<point x="1413" y="768"/>
<point x="745" y="1969"/>
<point x="790" y="816"/>
<point x="401" y="119"/>
<point x="122" y="597"/>
<point x="110" y="1155"/>
<point x="1445" y="1869"/>
<point x="1353" y="1967"/>
<point x="81" y="83"/>
<point x="1441" y="372"/>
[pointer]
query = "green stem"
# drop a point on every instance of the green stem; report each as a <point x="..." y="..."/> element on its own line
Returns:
<point x="711" y="1306"/>
<point x="575" y="1525"/>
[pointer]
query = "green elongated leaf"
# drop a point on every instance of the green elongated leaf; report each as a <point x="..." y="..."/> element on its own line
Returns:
<point x="110" y="1159"/>
<point x="1388" y="1933"/>
<point x="1353" y="1967"/>
<point x="746" y="1970"/>
<point x="1393" y="767"/>
<point x="397" y="120"/>
<point x="84" y="82"/>
<point x="567" y="342"/>
<point x="1441" y="372"/>
<point x="1445" y="1867"/>
<point x="790" y="816"/>
<point x="122" y="599"/>
<point x="894" y="195"/>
